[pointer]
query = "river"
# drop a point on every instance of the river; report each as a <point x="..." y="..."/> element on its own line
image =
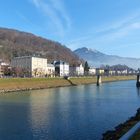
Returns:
<point x="68" y="113"/>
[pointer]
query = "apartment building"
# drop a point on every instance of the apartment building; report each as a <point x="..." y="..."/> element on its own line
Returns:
<point x="30" y="66"/>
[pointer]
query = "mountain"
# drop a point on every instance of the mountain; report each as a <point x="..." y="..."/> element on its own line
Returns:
<point x="96" y="58"/>
<point x="15" y="43"/>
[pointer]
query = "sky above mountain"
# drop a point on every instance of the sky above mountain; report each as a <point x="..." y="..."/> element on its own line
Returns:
<point x="110" y="26"/>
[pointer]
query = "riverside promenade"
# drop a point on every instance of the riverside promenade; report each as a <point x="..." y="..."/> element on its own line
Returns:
<point x="19" y="84"/>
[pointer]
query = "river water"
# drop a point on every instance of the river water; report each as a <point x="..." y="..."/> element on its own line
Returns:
<point x="68" y="113"/>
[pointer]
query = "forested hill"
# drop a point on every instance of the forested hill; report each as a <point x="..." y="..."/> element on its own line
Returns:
<point x="15" y="43"/>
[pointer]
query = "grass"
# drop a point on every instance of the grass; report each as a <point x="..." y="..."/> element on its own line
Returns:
<point x="88" y="80"/>
<point x="38" y="83"/>
<point x="31" y="83"/>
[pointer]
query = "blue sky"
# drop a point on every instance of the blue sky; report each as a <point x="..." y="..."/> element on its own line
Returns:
<point x="110" y="26"/>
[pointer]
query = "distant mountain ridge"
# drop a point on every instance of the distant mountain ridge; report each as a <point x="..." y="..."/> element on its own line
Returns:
<point x="15" y="43"/>
<point x="96" y="58"/>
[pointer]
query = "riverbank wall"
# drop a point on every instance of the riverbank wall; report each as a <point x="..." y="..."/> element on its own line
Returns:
<point x="123" y="128"/>
<point x="21" y="84"/>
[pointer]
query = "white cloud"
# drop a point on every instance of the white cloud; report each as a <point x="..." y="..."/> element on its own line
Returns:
<point x="136" y="25"/>
<point x="56" y="12"/>
<point x="115" y="25"/>
<point x="59" y="6"/>
<point x="110" y="33"/>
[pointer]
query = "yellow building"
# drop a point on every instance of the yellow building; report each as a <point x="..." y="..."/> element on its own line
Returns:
<point x="100" y="71"/>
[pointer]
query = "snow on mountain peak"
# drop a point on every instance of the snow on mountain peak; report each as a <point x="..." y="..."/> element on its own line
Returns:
<point x="92" y="50"/>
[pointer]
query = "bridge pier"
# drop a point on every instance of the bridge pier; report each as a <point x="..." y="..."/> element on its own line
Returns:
<point x="99" y="80"/>
<point x="138" y="80"/>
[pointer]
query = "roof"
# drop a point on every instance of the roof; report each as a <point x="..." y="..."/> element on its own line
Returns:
<point x="75" y="66"/>
<point x="60" y="62"/>
<point x="29" y="57"/>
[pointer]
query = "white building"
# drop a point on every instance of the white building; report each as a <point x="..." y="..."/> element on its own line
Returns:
<point x="1" y="71"/>
<point x="50" y="70"/>
<point x="122" y="72"/>
<point x="77" y="70"/>
<point x="36" y="67"/>
<point x="112" y="72"/>
<point x="125" y="72"/>
<point x="61" y="68"/>
<point x="3" y="67"/>
<point x="92" y="71"/>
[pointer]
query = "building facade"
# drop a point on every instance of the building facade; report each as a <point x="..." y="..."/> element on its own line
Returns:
<point x="50" y="70"/>
<point x="61" y="68"/>
<point x="92" y="71"/>
<point x="1" y="71"/>
<point x="4" y="67"/>
<point x="77" y="70"/>
<point x="100" y="71"/>
<point x="30" y="66"/>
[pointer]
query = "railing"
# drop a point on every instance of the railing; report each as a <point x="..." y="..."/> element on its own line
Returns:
<point x="131" y="132"/>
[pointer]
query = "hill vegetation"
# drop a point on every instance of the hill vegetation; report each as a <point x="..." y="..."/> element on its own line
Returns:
<point x="14" y="43"/>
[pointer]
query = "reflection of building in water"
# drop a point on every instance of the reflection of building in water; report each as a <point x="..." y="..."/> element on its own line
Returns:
<point x="49" y="106"/>
<point x="52" y="109"/>
<point x="40" y="108"/>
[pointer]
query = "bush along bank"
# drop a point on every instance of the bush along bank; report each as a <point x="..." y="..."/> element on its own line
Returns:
<point x="123" y="128"/>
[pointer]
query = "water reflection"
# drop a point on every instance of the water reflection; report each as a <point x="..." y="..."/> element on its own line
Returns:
<point x="51" y="110"/>
<point x="14" y="110"/>
<point x="81" y="112"/>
